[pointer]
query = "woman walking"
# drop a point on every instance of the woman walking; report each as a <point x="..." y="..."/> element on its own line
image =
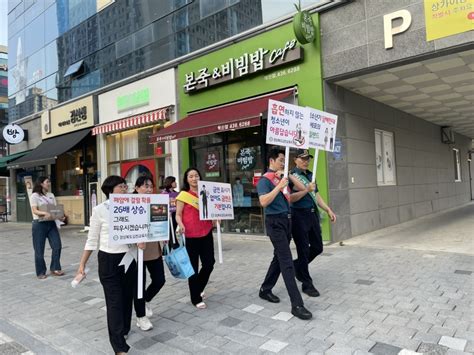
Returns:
<point x="45" y="228"/>
<point x="199" y="240"/>
<point x="119" y="285"/>
<point x="152" y="257"/>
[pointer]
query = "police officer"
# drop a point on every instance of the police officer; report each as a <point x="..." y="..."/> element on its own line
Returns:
<point x="276" y="206"/>
<point x="306" y="229"/>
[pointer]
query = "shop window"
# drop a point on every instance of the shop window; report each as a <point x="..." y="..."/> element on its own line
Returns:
<point x="114" y="169"/>
<point x="69" y="176"/>
<point x="457" y="165"/>
<point x="144" y="148"/>
<point x="384" y="158"/>
<point x="113" y="147"/>
<point x="130" y="145"/>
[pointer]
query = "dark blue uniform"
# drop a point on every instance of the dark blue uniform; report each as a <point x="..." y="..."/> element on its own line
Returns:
<point x="278" y="226"/>
<point x="306" y="231"/>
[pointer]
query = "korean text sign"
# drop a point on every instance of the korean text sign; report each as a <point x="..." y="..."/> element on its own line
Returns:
<point x="287" y="125"/>
<point x="135" y="218"/>
<point x="323" y="127"/>
<point x="215" y="200"/>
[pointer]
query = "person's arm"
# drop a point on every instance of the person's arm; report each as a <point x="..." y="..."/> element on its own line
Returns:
<point x="179" y="215"/>
<point x="268" y="198"/>
<point x="296" y="196"/>
<point x="325" y="207"/>
<point x="35" y="210"/>
<point x="92" y="242"/>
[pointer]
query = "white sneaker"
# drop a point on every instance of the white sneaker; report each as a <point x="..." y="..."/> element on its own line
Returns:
<point x="148" y="310"/>
<point x="144" y="323"/>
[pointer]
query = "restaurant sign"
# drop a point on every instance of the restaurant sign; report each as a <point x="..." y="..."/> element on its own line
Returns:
<point x="247" y="64"/>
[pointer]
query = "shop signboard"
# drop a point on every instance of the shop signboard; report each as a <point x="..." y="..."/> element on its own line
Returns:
<point x="246" y="158"/>
<point x="323" y="127"/>
<point x="287" y="125"/>
<point x="13" y="134"/>
<point x="246" y="64"/>
<point x="212" y="164"/>
<point x="135" y="218"/>
<point x="68" y="118"/>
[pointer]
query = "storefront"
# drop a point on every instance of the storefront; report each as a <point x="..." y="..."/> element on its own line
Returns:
<point x="67" y="154"/>
<point x="127" y="117"/>
<point x="223" y="102"/>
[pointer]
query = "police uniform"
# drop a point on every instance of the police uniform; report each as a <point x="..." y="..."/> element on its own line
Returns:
<point x="306" y="232"/>
<point x="278" y="227"/>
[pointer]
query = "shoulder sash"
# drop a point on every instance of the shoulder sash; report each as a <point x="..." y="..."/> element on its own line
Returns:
<point x="275" y="180"/>
<point x="304" y="180"/>
<point x="186" y="197"/>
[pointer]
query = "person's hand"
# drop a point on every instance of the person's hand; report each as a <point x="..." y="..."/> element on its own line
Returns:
<point x="332" y="216"/>
<point x="311" y="187"/>
<point x="47" y="216"/>
<point x="80" y="270"/>
<point x="141" y="245"/>
<point x="283" y="183"/>
<point x="181" y="229"/>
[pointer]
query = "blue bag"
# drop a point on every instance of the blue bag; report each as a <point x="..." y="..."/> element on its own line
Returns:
<point x="178" y="261"/>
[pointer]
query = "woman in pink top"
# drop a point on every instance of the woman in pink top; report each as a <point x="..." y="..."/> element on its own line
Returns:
<point x="199" y="240"/>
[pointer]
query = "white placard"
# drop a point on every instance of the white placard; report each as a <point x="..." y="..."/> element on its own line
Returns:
<point x="215" y="201"/>
<point x="135" y="218"/>
<point x="287" y="125"/>
<point x="323" y="127"/>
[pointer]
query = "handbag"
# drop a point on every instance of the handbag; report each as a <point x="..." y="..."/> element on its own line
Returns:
<point x="177" y="260"/>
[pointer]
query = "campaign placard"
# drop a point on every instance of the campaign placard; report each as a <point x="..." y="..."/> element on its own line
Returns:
<point x="287" y="125"/>
<point x="323" y="127"/>
<point x="135" y="218"/>
<point x="215" y="200"/>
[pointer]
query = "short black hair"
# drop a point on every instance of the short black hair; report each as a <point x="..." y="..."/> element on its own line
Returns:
<point x="141" y="180"/>
<point x="186" y="186"/>
<point x="274" y="152"/>
<point x="110" y="182"/>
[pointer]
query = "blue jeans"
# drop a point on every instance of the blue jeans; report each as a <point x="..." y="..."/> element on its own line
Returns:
<point x="41" y="231"/>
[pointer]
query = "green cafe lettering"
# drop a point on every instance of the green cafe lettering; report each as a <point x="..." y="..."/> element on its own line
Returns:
<point x="247" y="64"/>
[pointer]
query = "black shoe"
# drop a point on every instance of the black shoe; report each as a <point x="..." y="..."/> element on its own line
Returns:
<point x="311" y="291"/>
<point x="269" y="296"/>
<point x="301" y="312"/>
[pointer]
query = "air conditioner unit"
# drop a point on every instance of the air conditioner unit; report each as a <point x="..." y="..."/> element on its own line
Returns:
<point x="447" y="135"/>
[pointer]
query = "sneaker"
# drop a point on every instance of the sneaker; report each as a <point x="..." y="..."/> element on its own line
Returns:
<point x="148" y="310"/>
<point x="144" y="323"/>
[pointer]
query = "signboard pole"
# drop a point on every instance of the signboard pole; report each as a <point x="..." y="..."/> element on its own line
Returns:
<point x="315" y="164"/>
<point x="219" y="241"/>
<point x="287" y="163"/>
<point x="140" y="274"/>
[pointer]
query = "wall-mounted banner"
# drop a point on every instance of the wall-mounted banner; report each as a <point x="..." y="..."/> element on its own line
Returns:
<point x="287" y="125"/>
<point x="323" y="127"/>
<point x="215" y="200"/>
<point x="135" y="218"/>
<point x="448" y="17"/>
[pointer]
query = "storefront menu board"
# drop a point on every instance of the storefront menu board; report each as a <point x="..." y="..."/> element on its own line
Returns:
<point x="215" y="200"/>
<point x="135" y="218"/>
<point x="323" y="127"/>
<point x="287" y="125"/>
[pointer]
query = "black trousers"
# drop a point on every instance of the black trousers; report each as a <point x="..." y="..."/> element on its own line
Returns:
<point x="157" y="275"/>
<point x="279" y="230"/>
<point x="200" y="248"/>
<point x="307" y="236"/>
<point x="119" y="288"/>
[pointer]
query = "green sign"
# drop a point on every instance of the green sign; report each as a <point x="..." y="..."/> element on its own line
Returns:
<point x="303" y="26"/>
<point x="133" y="100"/>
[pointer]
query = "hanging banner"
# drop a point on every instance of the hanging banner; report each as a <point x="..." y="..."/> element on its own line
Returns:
<point x="135" y="218"/>
<point x="287" y="125"/>
<point x="215" y="200"/>
<point x="323" y="127"/>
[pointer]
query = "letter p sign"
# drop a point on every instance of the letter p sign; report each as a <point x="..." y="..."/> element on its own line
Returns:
<point x="389" y="31"/>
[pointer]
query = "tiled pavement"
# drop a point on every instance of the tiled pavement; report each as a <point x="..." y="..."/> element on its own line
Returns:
<point x="374" y="300"/>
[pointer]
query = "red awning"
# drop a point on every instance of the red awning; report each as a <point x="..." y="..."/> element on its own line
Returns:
<point x="238" y="115"/>
<point x="132" y="121"/>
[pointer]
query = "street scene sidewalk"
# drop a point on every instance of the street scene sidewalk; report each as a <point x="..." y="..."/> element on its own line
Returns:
<point x="379" y="295"/>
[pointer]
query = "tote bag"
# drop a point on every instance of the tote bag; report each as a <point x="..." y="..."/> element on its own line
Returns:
<point x="177" y="260"/>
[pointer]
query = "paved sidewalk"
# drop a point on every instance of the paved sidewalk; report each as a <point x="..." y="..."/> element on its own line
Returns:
<point x="378" y="300"/>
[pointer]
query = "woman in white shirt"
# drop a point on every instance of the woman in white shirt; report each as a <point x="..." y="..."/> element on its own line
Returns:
<point x="118" y="284"/>
<point x="45" y="228"/>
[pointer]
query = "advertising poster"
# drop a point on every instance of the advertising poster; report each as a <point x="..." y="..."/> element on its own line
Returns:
<point x="215" y="200"/>
<point x="135" y="218"/>
<point x="212" y="164"/>
<point x="287" y="125"/>
<point x="323" y="127"/>
<point x="448" y="17"/>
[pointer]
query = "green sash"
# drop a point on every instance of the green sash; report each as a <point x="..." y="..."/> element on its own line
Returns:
<point x="304" y="180"/>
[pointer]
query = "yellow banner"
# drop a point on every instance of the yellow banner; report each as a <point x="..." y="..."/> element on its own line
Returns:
<point x="448" y="17"/>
